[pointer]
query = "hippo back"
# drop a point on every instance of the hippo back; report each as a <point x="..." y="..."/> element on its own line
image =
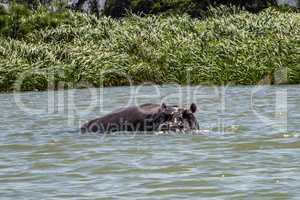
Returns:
<point x="124" y="119"/>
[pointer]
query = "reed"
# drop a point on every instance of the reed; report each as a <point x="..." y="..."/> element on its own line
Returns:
<point x="227" y="46"/>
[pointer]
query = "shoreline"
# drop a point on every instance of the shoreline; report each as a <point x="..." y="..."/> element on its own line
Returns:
<point x="149" y="85"/>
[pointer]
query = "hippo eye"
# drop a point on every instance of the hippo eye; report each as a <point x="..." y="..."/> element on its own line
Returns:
<point x="167" y="117"/>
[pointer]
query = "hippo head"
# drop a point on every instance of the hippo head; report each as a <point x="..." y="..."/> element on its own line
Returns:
<point x="174" y="118"/>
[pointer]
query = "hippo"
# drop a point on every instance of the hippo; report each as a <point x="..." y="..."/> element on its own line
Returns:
<point x="146" y="117"/>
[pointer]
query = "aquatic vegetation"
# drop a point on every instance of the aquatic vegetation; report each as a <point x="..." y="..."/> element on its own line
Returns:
<point x="225" y="47"/>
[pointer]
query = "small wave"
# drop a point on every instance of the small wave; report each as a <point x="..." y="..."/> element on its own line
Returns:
<point x="288" y="134"/>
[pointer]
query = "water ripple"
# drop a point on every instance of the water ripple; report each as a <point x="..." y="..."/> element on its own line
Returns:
<point x="235" y="155"/>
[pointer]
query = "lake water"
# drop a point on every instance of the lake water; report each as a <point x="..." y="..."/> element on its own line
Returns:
<point x="248" y="146"/>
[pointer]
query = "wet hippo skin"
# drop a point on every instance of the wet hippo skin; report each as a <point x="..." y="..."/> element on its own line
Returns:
<point x="146" y="117"/>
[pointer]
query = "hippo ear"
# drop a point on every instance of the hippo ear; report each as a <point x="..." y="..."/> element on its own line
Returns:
<point x="193" y="108"/>
<point x="163" y="107"/>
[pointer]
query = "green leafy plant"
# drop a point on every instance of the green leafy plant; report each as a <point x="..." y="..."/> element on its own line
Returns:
<point x="228" y="45"/>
